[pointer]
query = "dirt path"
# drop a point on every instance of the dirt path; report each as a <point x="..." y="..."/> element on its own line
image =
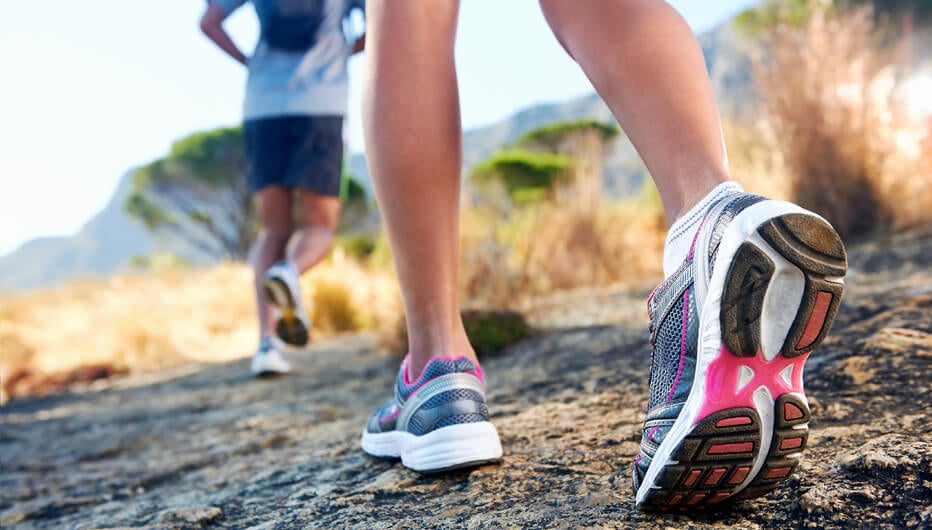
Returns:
<point x="210" y="446"/>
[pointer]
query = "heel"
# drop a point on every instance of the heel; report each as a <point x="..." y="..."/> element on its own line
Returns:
<point x="811" y="244"/>
<point x="791" y="246"/>
<point x="452" y="447"/>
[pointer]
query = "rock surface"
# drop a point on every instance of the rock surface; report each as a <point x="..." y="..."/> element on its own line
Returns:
<point x="210" y="447"/>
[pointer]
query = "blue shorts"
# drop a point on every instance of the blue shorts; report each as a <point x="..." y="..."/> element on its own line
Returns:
<point x="303" y="152"/>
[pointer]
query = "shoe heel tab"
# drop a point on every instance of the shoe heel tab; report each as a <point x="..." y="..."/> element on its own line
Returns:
<point x="460" y="364"/>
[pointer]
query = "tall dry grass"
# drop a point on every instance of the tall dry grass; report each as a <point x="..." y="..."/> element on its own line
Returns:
<point x="837" y="117"/>
<point x="510" y="256"/>
<point x="138" y="321"/>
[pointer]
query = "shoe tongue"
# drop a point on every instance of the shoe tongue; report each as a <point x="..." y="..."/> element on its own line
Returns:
<point x="265" y="344"/>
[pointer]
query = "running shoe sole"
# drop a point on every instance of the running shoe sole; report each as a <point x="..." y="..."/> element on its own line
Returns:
<point x="775" y="290"/>
<point x="445" y="449"/>
<point x="289" y="327"/>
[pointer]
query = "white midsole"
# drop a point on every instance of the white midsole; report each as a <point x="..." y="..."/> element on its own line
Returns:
<point x="741" y="228"/>
<point x="446" y="447"/>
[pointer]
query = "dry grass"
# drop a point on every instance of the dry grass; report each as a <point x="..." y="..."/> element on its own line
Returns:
<point x="836" y="115"/>
<point x="509" y="257"/>
<point x="147" y="322"/>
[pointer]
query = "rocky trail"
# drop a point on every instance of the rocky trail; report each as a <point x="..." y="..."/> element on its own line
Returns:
<point x="209" y="446"/>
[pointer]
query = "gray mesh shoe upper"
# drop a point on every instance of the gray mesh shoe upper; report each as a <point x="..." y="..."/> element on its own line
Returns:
<point x="674" y="328"/>
<point x="448" y="392"/>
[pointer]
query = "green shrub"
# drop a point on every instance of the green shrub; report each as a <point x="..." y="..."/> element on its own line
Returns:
<point x="489" y="332"/>
<point x="358" y="247"/>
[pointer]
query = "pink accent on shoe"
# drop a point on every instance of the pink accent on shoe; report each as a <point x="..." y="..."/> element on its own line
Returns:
<point x="721" y="380"/>
<point x="650" y="435"/>
<point x="734" y="422"/>
<point x="679" y="370"/>
<point x="692" y="477"/>
<point x="730" y="448"/>
<point x="792" y="412"/>
<point x="719" y="497"/>
<point x="791" y="443"/>
<point x="696" y="497"/>
<point x="715" y="476"/>
<point x="816" y="319"/>
<point x="692" y="247"/>
<point x="478" y="372"/>
<point x="393" y="415"/>
<point x="404" y="369"/>
<point x="739" y="475"/>
<point x="779" y="472"/>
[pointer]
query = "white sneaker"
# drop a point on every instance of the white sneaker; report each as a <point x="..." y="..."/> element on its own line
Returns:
<point x="269" y="360"/>
<point x="283" y="288"/>
<point x="436" y="423"/>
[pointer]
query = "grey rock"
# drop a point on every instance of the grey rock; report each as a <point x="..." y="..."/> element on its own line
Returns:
<point x="212" y="447"/>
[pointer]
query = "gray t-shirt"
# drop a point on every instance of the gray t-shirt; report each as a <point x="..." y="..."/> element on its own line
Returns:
<point x="313" y="83"/>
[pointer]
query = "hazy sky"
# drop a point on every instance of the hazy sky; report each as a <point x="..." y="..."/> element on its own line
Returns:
<point x="89" y="90"/>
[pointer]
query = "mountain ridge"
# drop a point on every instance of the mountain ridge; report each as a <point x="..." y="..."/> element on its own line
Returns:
<point x="110" y="240"/>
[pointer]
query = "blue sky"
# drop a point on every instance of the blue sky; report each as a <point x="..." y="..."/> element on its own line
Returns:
<point x="90" y="92"/>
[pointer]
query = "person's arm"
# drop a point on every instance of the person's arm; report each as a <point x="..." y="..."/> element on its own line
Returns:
<point x="212" y="26"/>
<point x="359" y="45"/>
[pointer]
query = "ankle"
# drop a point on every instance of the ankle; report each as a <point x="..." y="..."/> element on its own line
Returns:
<point x="680" y="236"/>
<point x="432" y="338"/>
<point x="678" y="202"/>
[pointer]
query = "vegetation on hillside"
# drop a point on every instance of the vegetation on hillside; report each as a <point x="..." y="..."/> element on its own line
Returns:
<point x="526" y="177"/>
<point x="772" y="14"/>
<point x="554" y="229"/>
<point x="199" y="193"/>
<point x="833" y="130"/>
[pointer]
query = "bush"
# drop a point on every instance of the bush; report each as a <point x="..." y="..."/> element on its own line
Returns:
<point x="358" y="247"/>
<point x="526" y="176"/>
<point x="831" y="96"/>
<point x="489" y="332"/>
<point x="334" y="311"/>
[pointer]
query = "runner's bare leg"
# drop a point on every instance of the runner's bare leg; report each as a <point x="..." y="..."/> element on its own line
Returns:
<point x="647" y="65"/>
<point x="414" y="148"/>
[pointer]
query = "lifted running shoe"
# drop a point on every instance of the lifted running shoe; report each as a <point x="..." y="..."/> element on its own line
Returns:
<point x="727" y="416"/>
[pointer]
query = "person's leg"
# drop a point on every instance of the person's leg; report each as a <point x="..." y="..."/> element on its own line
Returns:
<point x="319" y="215"/>
<point x="273" y="207"/>
<point x="645" y="62"/>
<point x="437" y="418"/>
<point x="312" y="160"/>
<point x="413" y="145"/>
<point x="752" y="285"/>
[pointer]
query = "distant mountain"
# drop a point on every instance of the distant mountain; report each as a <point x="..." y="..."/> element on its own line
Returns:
<point x="729" y="68"/>
<point x="623" y="169"/>
<point x="109" y="241"/>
